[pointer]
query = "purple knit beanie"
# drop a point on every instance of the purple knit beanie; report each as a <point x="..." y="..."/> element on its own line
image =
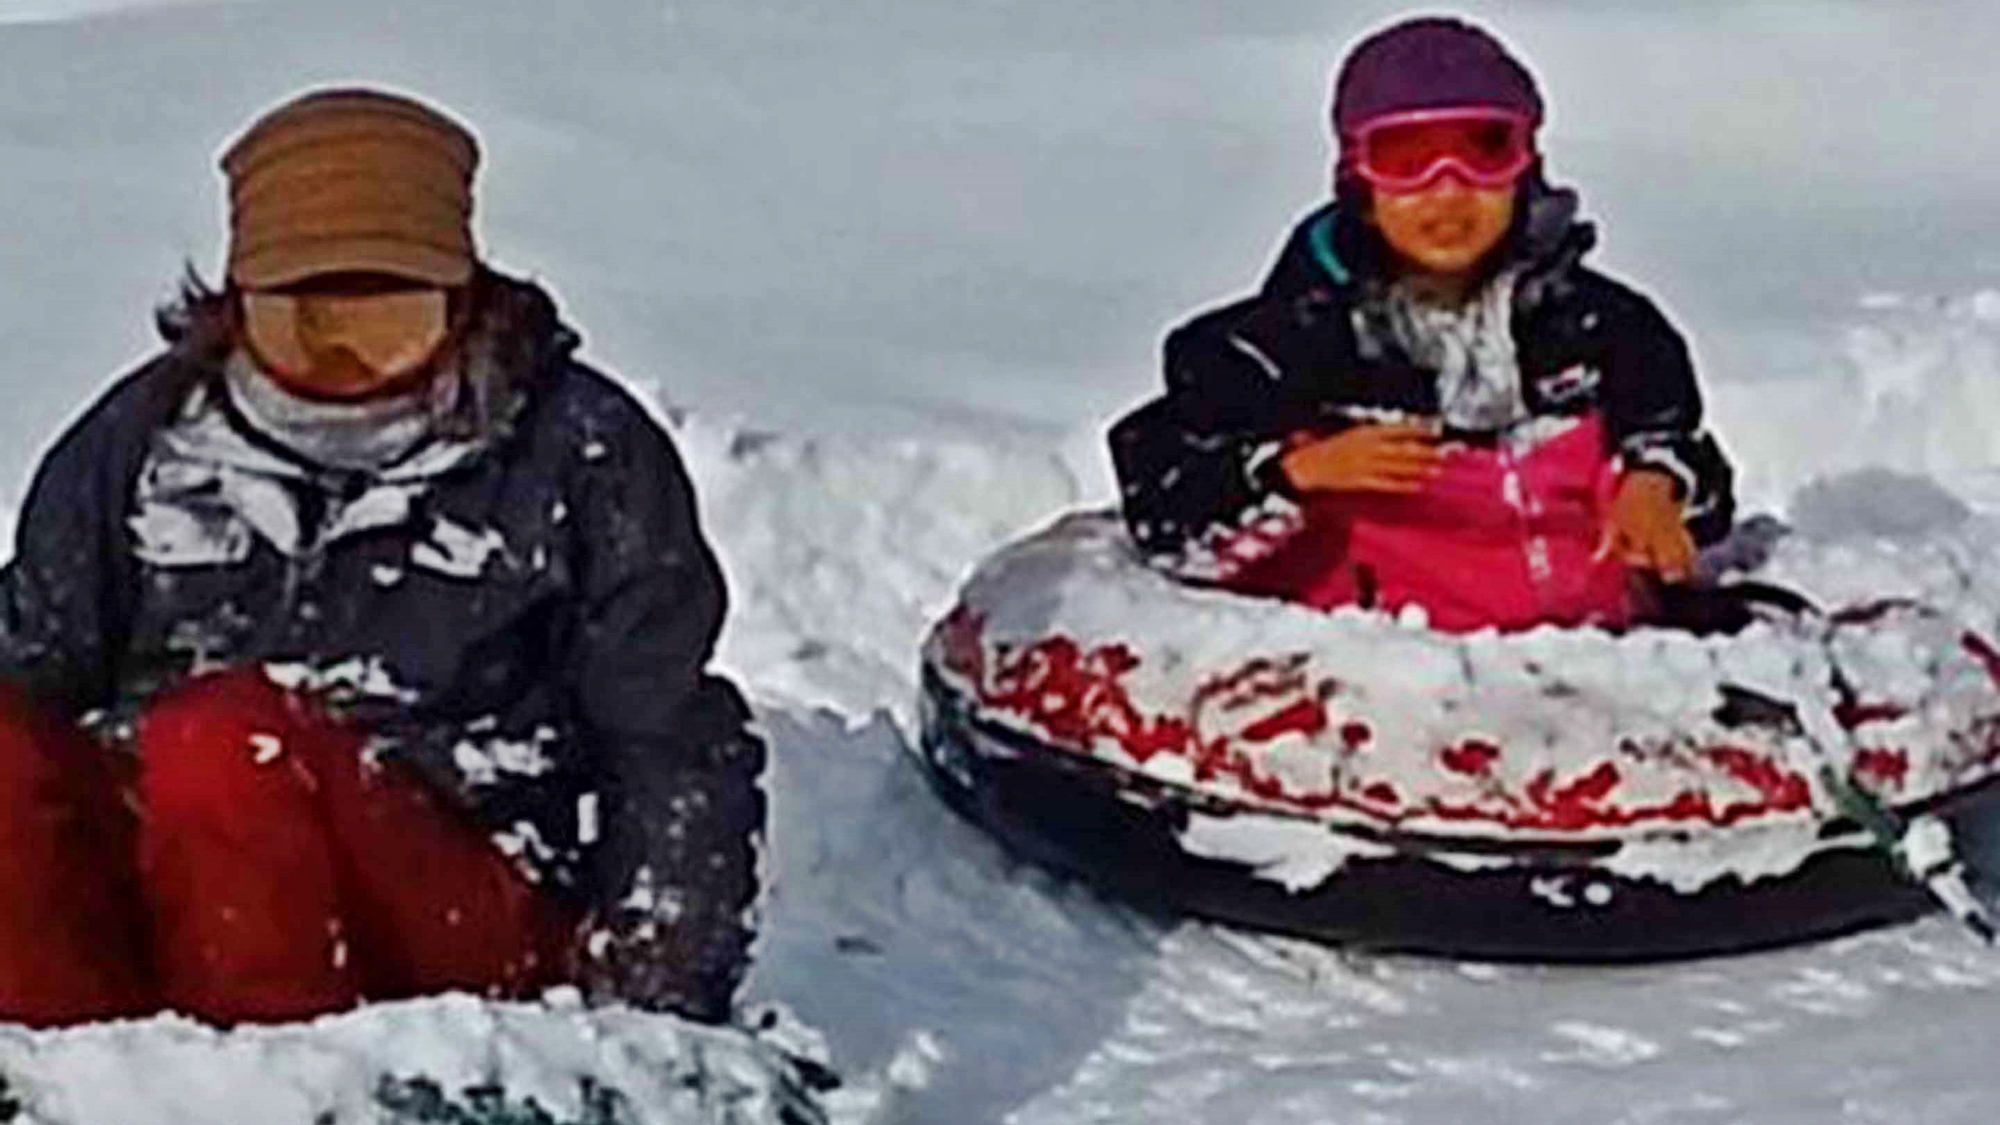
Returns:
<point x="1430" y="63"/>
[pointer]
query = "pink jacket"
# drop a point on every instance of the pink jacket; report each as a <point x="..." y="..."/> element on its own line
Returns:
<point x="1505" y="537"/>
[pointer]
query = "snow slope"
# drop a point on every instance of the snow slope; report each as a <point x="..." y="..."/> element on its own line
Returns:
<point x="927" y="955"/>
<point x="926" y="250"/>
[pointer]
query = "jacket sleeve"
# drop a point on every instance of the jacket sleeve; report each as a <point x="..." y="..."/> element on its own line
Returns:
<point x="60" y="619"/>
<point x="1654" y="408"/>
<point x="1199" y="477"/>
<point x="682" y="811"/>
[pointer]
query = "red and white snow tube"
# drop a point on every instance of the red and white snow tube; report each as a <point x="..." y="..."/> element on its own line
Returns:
<point x="1572" y="794"/>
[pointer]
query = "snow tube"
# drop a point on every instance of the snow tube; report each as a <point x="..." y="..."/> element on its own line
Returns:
<point x="1557" y="795"/>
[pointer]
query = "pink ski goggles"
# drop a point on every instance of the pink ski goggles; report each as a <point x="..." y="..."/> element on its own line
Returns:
<point x="1403" y="152"/>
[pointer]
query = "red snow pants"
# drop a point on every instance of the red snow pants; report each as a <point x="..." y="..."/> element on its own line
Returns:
<point x="248" y="865"/>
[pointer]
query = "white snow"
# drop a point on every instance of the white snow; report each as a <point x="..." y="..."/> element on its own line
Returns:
<point x="926" y="251"/>
<point x="456" y="550"/>
<point x="484" y="756"/>
<point x="266" y="748"/>
<point x="662" y="1070"/>
<point x="1298" y="855"/>
<point x="1915" y="386"/>
<point x="360" y="677"/>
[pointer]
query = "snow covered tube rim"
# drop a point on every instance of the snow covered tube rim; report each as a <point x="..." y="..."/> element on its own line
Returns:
<point x="1066" y="637"/>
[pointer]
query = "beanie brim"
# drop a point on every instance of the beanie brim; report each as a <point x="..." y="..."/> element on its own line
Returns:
<point x="298" y="260"/>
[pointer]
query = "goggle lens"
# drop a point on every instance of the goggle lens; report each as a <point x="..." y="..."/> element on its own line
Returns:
<point x="391" y="334"/>
<point x="1489" y="150"/>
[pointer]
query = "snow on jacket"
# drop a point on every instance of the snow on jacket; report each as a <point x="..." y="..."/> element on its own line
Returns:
<point x="522" y="609"/>
<point x="1198" y="467"/>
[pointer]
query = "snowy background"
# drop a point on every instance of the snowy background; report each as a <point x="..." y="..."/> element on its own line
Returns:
<point x="895" y="263"/>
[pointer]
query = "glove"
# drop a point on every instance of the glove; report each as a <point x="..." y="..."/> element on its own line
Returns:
<point x="673" y="932"/>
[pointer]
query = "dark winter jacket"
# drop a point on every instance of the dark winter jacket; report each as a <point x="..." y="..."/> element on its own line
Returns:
<point x="1198" y="467"/>
<point x="521" y="610"/>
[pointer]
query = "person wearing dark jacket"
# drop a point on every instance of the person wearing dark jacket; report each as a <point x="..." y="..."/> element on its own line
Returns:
<point x="355" y="646"/>
<point x="1432" y="401"/>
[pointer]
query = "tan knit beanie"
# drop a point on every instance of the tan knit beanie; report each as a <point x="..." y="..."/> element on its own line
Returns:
<point x="357" y="181"/>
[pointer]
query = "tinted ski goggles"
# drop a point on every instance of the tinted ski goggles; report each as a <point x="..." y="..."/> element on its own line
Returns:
<point x="1487" y="148"/>
<point x="392" y="334"/>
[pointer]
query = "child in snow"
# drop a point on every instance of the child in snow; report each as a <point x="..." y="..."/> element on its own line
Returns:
<point x="1431" y="402"/>
<point x="395" y="616"/>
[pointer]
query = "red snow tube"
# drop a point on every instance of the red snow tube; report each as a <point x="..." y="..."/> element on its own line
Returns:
<point x="1558" y="794"/>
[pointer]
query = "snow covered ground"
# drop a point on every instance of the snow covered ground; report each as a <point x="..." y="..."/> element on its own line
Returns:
<point x="894" y="263"/>
<point x="406" y="1063"/>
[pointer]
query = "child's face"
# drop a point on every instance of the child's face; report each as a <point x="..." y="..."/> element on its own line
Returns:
<point x="1446" y="228"/>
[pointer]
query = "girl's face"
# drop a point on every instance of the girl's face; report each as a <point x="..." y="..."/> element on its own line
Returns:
<point x="1444" y="229"/>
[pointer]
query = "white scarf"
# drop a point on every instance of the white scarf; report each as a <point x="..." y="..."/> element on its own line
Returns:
<point x="369" y="435"/>
<point x="1469" y="346"/>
